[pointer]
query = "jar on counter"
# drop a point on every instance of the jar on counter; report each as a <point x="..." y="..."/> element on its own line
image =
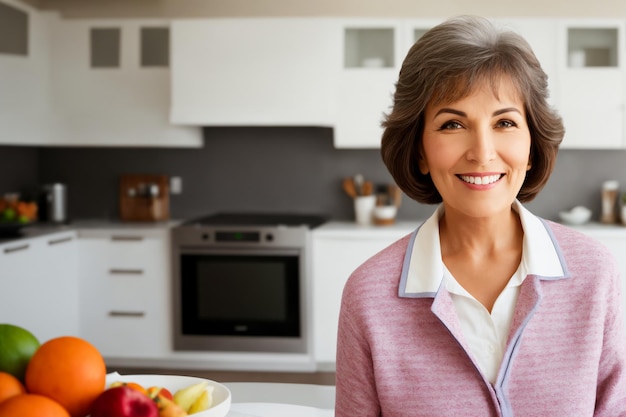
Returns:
<point x="610" y="191"/>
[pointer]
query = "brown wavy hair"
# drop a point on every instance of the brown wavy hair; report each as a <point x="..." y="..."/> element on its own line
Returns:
<point x="445" y="65"/>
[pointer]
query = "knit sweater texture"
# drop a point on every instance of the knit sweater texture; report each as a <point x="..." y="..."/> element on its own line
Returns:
<point x="565" y="355"/>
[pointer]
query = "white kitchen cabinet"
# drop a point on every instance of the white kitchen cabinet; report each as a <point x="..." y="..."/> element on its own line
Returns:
<point x="125" y="105"/>
<point x="25" y="101"/>
<point x="39" y="284"/>
<point x="261" y="71"/>
<point x="371" y="56"/>
<point x="124" y="291"/>
<point x="591" y="77"/>
<point x="338" y="249"/>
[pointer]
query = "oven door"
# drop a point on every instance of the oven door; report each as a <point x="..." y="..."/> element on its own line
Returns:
<point x="240" y="300"/>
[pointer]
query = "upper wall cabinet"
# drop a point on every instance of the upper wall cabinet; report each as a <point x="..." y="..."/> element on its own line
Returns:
<point x="25" y="105"/>
<point x="261" y="71"/>
<point x="111" y="85"/>
<point x="370" y="58"/>
<point x="591" y="77"/>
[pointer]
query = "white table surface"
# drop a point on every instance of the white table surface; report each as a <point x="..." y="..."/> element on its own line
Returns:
<point x="276" y="410"/>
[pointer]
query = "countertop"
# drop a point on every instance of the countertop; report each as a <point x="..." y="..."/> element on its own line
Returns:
<point x="43" y="229"/>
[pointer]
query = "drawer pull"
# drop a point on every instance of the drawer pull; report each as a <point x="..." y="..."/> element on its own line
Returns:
<point x="16" y="248"/>
<point x="120" y="238"/>
<point x="117" y="313"/>
<point x="126" y="271"/>
<point x="60" y="240"/>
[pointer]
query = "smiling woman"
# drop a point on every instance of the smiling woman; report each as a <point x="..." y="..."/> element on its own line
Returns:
<point x="495" y="311"/>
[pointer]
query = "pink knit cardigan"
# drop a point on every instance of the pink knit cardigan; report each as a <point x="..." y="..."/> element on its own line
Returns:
<point x="565" y="356"/>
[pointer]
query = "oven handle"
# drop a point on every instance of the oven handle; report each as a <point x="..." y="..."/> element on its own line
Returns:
<point x="199" y="250"/>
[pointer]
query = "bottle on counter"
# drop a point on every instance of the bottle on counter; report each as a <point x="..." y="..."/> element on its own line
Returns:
<point x="610" y="191"/>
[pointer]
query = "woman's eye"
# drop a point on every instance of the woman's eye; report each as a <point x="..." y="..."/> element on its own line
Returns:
<point x="506" y="123"/>
<point x="450" y="125"/>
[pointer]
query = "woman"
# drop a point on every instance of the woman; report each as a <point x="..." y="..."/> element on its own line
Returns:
<point x="486" y="309"/>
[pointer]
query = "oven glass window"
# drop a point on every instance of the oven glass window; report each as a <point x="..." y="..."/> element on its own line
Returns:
<point x="240" y="295"/>
<point x="250" y="289"/>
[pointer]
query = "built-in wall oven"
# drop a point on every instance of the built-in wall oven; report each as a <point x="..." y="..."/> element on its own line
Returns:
<point x="241" y="282"/>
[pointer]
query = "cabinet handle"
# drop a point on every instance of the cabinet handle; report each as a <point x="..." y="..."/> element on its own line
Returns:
<point x="117" y="313"/>
<point x="126" y="271"/>
<point x="16" y="248"/>
<point x="60" y="240"/>
<point x="119" y="238"/>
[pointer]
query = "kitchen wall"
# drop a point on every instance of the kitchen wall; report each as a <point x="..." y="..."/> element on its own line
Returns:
<point x="268" y="169"/>
<point x="18" y="168"/>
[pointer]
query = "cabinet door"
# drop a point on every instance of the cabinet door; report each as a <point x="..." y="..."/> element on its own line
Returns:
<point x="110" y="98"/>
<point x="125" y="306"/>
<point x="371" y="57"/>
<point x="38" y="285"/>
<point x="253" y="71"/>
<point x="591" y="83"/>
<point x="25" y="100"/>
<point x="334" y="259"/>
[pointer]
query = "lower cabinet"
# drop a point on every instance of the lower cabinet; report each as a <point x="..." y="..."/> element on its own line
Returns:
<point x="39" y="285"/>
<point x="124" y="292"/>
<point x="338" y="249"/>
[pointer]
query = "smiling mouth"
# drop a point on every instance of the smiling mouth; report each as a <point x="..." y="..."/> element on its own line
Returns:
<point x="484" y="180"/>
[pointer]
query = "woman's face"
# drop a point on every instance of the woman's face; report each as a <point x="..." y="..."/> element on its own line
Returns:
<point x="477" y="149"/>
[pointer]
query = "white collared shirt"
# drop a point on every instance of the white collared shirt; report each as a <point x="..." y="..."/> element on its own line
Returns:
<point x="485" y="334"/>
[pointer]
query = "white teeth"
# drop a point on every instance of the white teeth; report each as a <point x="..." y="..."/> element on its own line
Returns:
<point x="480" y="180"/>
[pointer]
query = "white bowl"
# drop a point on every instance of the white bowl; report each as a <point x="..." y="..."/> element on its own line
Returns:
<point x="385" y="212"/>
<point x="221" y="394"/>
<point x="577" y="215"/>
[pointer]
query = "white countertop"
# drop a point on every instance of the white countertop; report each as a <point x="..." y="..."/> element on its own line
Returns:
<point x="276" y="410"/>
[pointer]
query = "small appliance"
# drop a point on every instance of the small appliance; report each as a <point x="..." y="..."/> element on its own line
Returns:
<point x="53" y="203"/>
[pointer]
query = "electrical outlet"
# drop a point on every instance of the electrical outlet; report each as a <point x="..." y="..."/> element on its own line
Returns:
<point x="176" y="185"/>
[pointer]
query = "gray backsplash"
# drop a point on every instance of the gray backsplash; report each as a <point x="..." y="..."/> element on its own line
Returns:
<point x="266" y="169"/>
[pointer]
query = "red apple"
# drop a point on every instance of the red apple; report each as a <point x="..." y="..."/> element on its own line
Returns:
<point x="123" y="401"/>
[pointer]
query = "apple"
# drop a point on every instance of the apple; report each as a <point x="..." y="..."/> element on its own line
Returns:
<point x="123" y="401"/>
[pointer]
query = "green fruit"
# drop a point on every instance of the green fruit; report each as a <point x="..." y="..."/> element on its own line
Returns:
<point x="17" y="346"/>
<point x="9" y="214"/>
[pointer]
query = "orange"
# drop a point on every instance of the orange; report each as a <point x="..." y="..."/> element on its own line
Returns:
<point x="31" y="405"/>
<point x="69" y="370"/>
<point x="17" y="346"/>
<point x="10" y="386"/>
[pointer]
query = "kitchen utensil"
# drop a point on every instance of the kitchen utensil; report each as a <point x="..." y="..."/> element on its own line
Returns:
<point x="367" y="188"/>
<point x="348" y="187"/>
<point x="358" y="184"/>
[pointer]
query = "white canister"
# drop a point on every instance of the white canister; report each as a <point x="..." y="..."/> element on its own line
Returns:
<point x="364" y="209"/>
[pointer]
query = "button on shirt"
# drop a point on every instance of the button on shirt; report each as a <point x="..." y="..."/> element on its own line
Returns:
<point x="485" y="334"/>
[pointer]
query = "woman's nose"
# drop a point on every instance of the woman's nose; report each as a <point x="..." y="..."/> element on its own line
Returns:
<point x="481" y="147"/>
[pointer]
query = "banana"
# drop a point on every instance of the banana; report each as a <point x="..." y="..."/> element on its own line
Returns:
<point x="203" y="402"/>
<point x="185" y="397"/>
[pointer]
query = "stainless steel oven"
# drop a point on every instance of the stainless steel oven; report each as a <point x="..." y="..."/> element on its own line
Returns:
<point x="241" y="283"/>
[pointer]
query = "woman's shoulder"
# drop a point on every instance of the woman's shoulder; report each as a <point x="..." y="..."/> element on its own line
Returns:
<point x="580" y="250"/>
<point x="383" y="267"/>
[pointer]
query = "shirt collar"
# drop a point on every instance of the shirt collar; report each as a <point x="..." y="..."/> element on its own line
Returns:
<point x="423" y="269"/>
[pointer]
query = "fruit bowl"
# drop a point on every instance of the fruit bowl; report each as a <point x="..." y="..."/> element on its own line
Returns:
<point x="221" y="394"/>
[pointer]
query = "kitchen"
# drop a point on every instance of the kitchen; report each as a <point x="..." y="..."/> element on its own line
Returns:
<point x="243" y="167"/>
